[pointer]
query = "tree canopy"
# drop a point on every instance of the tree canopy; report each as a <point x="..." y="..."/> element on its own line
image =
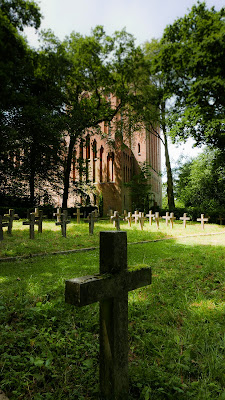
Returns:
<point x="191" y="61"/>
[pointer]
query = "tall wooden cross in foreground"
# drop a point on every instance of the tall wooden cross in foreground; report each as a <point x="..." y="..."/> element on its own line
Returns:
<point x="110" y="288"/>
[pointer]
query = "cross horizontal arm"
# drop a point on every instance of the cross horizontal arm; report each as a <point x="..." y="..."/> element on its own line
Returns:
<point x="90" y="289"/>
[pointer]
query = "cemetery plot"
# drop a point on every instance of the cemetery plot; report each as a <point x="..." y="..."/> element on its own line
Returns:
<point x="112" y="293"/>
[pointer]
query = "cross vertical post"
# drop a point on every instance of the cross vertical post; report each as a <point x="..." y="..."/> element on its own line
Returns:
<point x="150" y="216"/>
<point x="167" y="218"/>
<point x="202" y="220"/>
<point x="110" y="288"/>
<point x="157" y="219"/>
<point x="141" y="220"/>
<point x="10" y="217"/>
<point x="116" y="220"/>
<point x="31" y="223"/>
<point x="129" y="219"/>
<point x="135" y="215"/>
<point x="172" y="219"/>
<point x="185" y="219"/>
<point x="2" y="225"/>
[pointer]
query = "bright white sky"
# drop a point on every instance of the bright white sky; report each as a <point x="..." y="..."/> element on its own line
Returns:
<point x="145" y="19"/>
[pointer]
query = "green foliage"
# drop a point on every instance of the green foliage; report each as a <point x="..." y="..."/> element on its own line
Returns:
<point x="191" y="64"/>
<point x="201" y="182"/>
<point x="140" y="190"/>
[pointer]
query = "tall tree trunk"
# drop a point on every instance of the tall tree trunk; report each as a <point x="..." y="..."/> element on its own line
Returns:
<point x="32" y="176"/>
<point x="170" y="194"/>
<point x="67" y="171"/>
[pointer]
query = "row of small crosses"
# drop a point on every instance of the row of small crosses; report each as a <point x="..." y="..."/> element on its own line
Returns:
<point x="36" y="218"/>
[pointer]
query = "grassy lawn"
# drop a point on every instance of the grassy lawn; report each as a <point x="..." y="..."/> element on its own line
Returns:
<point x="51" y="239"/>
<point x="49" y="349"/>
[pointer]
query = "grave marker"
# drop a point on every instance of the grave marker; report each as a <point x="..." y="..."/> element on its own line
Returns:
<point x="38" y="219"/>
<point x="202" y="220"/>
<point x="110" y="214"/>
<point x="129" y="219"/>
<point x="63" y="223"/>
<point x="150" y="216"/>
<point x="2" y="225"/>
<point x="10" y="217"/>
<point x="141" y="220"/>
<point x="185" y="219"/>
<point x="167" y="218"/>
<point x="172" y="219"/>
<point x="31" y="223"/>
<point x="116" y="220"/>
<point x="78" y="214"/>
<point x="221" y="219"/>
<point x="57" y="214"/>
<point x="156" y="218"/>
<point x="136" y="215"/>
<point x="110" y="288"/>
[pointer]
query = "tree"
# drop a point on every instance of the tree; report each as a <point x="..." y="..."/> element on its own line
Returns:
<point x="191" y="60"/>
<point x="98" y="65"/>
<point x="201" y="181"/>
<point x="152" y="50"/>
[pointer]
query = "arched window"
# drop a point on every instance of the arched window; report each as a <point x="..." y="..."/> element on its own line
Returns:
<point x="139" y="148"/>
<point x="110" y="167"/>
<point x="101" y="154"/>
<point x="88" y="150"/>
<point x="94" y="149"/>
<point x="74" y="165"/>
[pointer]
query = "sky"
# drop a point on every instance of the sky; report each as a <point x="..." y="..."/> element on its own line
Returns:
<point x="144" y="19"/>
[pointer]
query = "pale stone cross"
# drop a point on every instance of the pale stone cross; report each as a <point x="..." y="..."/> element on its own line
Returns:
<point x="31" y="223"/>
<point x="136" y="215"/>
<point x="63" y="223"/>
<point x="10" y="217"/>
<point x="129" y="219"/>
<point x="110" y="214"/>
<point x="2" y="225"/>
<point x="156" y="218"/>
<point x="167" y="218"/>
<point x="185" y="219"/>
<point x="110" y="288"/>
<point x="172" y="219"/>
<point x="116" y="220"/>
<point x="58" y="215"/>
<point x="141" y="219"/>
<point x="202" y="220"/>
<point x="78" y="214"/>
<point x="150" y="216"/>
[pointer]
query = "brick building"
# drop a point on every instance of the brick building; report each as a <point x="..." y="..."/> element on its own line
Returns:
<point x="109" y="163"/>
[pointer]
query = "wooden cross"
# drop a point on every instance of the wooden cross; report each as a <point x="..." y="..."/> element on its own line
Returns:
<point x="2" y="225"/>
<point x="202" y="220"/>
<point x="110" y="288"/>
<point x="221" y="219"/>
<point x="141" y="220"/>
<point x="172" y="219"/>
<point x="91" y="221"/>
<point x="156" y="218"/>
<point x="39" y="219"/>
<point x="63" y="223"/>
<point x="10" y="217"/>
<point x="116" y="220"/>
<point x="136" y="215"/>
<point x="150" y="216"/>
<point x="129" y="219"/>
<point x="167" y="218"/>
<point x="31" y="222"/>
<point x="185" y="219"/>
<point x="78" y="214"/>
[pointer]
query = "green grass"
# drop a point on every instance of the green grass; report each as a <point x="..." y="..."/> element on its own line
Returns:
<point x="51" y="240"/>
<point x="49" y="349"/>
